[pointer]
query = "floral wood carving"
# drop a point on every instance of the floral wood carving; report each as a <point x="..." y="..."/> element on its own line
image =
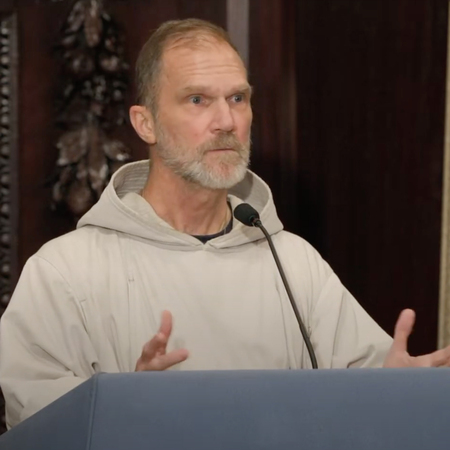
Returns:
<point x="91" y="105"/>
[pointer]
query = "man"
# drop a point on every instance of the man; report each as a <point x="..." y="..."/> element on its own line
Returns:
<point x="161" y="243"/>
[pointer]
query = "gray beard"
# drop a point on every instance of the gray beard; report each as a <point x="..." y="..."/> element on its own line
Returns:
<point x="229" y="170"/>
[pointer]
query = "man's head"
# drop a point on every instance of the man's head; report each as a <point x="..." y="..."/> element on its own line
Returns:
<point x="194" y="103"/>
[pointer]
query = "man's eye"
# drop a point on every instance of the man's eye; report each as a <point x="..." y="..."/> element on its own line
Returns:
<point x="238" y="98"/>
<point x="196" y="99"/>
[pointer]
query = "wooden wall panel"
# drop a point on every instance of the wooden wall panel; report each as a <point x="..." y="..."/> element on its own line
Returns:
<point x="38" y="28"/>
<point x="272" y="71"/>
<point x="370" y="120"/>
<point x="7" y="6"/>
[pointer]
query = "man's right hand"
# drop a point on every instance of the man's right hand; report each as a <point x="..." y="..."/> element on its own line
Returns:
<point x="154" y="356"/>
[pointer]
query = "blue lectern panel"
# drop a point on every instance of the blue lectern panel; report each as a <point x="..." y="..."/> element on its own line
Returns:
<point x="360" y="409"/>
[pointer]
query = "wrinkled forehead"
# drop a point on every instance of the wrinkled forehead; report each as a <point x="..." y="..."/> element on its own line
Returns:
<point x="203" y="56"/>
<point x="194" y="41"/>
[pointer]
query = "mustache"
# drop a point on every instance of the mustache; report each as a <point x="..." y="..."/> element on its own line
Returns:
<point x="228" y="140"/>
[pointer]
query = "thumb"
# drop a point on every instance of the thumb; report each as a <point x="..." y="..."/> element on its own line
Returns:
<point x="403" y="329"/>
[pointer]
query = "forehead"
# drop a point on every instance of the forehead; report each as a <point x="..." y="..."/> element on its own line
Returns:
<point x="203" y="62"/>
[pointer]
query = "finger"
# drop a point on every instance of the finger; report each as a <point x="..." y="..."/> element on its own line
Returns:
<point x="154" y="347"/>
<point x="403" y="329"/>
<point x="440" y="358"/>
<point x="166" y="323"/>
<point x="163" y="362"/>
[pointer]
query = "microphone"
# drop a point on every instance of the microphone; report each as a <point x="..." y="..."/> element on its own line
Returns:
<point x="248" y="215"/>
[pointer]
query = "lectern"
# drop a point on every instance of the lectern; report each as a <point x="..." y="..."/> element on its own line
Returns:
<point x="373" y="409"/>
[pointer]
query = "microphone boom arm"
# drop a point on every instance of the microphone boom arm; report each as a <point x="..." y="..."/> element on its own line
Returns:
<point x="257" y="223"/>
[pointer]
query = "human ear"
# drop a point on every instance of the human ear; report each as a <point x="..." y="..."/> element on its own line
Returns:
<point x="143" y="123"/>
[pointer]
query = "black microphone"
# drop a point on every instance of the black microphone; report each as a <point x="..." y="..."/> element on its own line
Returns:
<point x="250" y="217"/>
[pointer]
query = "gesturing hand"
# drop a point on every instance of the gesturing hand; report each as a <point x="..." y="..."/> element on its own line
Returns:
<point x="398" y="355"/>
<point x="154" y="356"/>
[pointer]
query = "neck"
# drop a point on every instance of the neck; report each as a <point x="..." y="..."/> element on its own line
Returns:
<point x="188" y="208"/>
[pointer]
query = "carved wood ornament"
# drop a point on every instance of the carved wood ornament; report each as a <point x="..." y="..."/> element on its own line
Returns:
<point x="91" y="105"/>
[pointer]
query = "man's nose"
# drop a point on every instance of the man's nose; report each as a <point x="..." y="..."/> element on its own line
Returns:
<point x="224" y="120"/>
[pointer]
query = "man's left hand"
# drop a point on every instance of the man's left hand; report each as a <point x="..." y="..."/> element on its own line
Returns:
<point x="398" y="355"/>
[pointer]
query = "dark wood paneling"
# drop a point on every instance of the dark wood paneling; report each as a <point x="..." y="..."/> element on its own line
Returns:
<point x="7" y="6"/>
<point x="38" y="28"/>
<point x="371" y="104"/>
<point x="272" y="73"/>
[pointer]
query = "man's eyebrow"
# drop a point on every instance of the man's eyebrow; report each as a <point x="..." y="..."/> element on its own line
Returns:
<point x="194" y="89"/>
<point x="245" y="88"/>
<point x="198" y="89"/>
